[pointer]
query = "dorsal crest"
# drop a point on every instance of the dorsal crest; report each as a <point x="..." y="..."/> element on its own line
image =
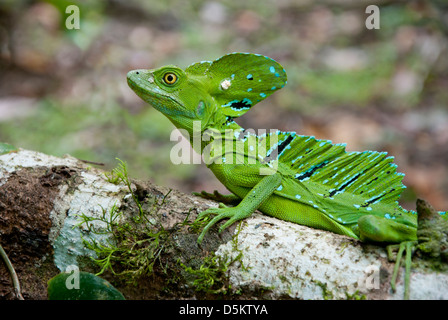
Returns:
<point x="238" y="81"/>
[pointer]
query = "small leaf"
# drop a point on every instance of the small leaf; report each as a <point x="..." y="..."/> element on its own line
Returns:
<point x="81" y="286"/>
<point x="6" y="148"/>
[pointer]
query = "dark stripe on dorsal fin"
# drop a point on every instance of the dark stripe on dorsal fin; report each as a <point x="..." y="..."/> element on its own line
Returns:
<point x="276" y="151"/>
<point x="367" y="174"/>
<point x="310" y="171"/>
<point x="341" y="188"/>
<point x="284" y="144"/>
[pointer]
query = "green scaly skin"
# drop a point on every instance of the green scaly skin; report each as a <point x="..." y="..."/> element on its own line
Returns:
<point x="285" y="175"/>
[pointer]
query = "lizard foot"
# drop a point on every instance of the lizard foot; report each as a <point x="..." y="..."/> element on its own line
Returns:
<point x="222" y="212"/>
<point x="408" y="246"/>
<point x="432" y="243"/>
<point x="216" y="196"/>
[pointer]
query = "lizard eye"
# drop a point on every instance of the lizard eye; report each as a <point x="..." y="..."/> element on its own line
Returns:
<point x="169" y="78"/>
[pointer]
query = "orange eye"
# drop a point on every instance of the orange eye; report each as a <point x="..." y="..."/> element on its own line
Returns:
<point x="170" y="78"/>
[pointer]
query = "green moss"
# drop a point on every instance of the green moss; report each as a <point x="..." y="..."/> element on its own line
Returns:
<point x="211" y="276"/>
<point x="135" y="245"/>
<point x="283" y="279"/>
<point x="355" y="296"/>
<point x="137" y="242"/>
<point x="326" y="294"/>
<point x="432" y="236"/>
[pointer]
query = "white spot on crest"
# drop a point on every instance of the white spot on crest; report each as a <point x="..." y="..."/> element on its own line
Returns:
<point x="225" y="84"/>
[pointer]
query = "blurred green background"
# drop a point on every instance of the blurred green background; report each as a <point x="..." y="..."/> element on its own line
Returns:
<point x="65" y="92"/>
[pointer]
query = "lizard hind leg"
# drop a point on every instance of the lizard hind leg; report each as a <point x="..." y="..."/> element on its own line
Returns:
<point x="222" y="212"/>
<point x="374" y="228"/>
<point x="378" y="229"/>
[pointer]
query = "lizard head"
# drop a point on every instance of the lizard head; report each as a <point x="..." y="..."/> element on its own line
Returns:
<point x="156" y="86"/>
<point x="170" y="91"/>
<point x="209" y="91"/>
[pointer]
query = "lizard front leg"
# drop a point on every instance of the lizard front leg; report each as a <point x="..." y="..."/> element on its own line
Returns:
<point x="251" y="202"/>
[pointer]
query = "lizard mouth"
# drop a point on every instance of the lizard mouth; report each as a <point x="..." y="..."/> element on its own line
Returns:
<point x="142" y="83"/>
<point x="136" y="80"/>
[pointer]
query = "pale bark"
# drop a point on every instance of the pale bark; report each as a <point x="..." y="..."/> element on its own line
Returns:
<point x="41" y="196"/>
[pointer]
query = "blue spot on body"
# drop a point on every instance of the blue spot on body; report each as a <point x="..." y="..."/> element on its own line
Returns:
<point x="273" y="88"/>
<point x="369" y="209"/>
<point x="249" y="77"/>
<point x="249" y="90"/>
<point x="277" y="75"/>
<point x="280" y="188"/>
<point x="387" y="216"/>
<point x="356" y="206"/>
<point x="272" y="69"/>
<point x="298" y="196"/>
<point x="263" y="95"/>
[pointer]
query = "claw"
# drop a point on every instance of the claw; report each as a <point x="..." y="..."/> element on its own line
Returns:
<point x="216" y="219"/>
<point x="231" y="221"/>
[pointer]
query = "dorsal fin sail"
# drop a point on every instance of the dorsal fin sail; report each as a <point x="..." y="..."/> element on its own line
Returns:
<point x="352" y="183"/>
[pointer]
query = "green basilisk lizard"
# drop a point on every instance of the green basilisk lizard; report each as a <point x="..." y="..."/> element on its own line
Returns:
<point x="285" y="175"/>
